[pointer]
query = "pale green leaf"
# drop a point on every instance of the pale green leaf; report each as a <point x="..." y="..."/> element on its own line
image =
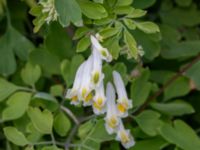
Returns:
<point x="30" y="74"/>
<point x="62" y="124"/>
<point x="17" y="105"/>
<point x="69" y="11"/>
<point x="6" y="89"/>
<point x="42" y="120"/>
<point x="149" y="122"/>
<point x="15" y="136"/>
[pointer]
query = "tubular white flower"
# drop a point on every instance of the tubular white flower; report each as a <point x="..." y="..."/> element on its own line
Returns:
<point x="97" y="75"/>
<point x="74" y="92"/>
<point x="85" y="92"/>
<point x="111" y="118"/>
<point x="99" y="100"/>
<point x="124" y="136"/>
<point x="123" y="103"/>
<point x="105" y="55"/>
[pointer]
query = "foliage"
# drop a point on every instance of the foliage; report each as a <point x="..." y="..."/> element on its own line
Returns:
<point x="156" y="49"/>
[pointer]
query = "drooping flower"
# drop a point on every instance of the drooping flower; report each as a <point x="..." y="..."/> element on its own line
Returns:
<point x="124" y="136"/>
<point x="105" y="55"/>
<point x="99" y="100"/>
<point x="85" y="92"/>
<point x="74" y="92"/>
<point x="111" y="118"/>
<point x="97" y="75"/>
<point x="123" y="103"/>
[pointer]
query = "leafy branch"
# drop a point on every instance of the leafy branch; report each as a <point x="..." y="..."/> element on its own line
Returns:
<point x="167" y="84"/>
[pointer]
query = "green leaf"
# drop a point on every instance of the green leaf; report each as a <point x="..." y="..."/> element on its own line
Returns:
<point x="113" y="46"/>
<point x="175" y="108"/>
<point x="69" y="68"/>
<point x="61" y="47"/>
<point x="183" y="3"/>
<point x="85" y="128"/>
<point x="184" y="49"/>
<point x="15" y="136"/>
<point x="143" y="4"/>
<point x="83" y="44"/>
<point x="147" y="27"/>
<point x="6" y="89"/>
<point x="42" y="120"/>
<point x="152" y="144"/>
<point x="80" y="32"/>
<point x="30" y="74"/>
<point x="179" y="17"/>
<point x="33" y="134"/>
<point x="108" y="32"/>
<point x="123" y="10"/>
<point x="129" y="23"/>
<point x="17" y="105"/>
<point x="181" y="134"/>
<point x="57" y="90"/>
<point x="62" y="124"/>
<point x="69" y="11"/>
<point x="150" y="46"/>
<point x="124" y="3"/>
<point x="193" y="73"/>
<point x="131" y="44"/>
<point x="149" y="122"/>
<point x="36" y="11"/>
<point x="48" y="62"/>
<point x="179" y="87"/>
<point x="94" y="138"/>
<point x="140" y="88"/>
<point x="12" y="42"/>
<point x="44" y="100"/>
<point x="92" y="10"/>
<point x="136" y="13"/>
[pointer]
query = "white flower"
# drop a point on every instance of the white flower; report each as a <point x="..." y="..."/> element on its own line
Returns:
<point x="105" y="55"/>
<point x="123" y="103"/>
<point x="125" y="136"/>
<point x="49" y="8"/>
<point x="97" y="75"/>
<point x="111" y="118"/>
<point x="74" y="92"/>
<point x="99" y="100"/>
<point x="85" y="92"/>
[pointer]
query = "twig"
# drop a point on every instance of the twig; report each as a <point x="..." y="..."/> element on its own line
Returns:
<point x="169" y="82"/>
<point x="70" y="137"/>
<point x="70" y="114"/>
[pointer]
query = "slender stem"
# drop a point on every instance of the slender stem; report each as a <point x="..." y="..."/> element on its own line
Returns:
<point x="167" y="84"/>
<point x="27" y="89"/>
<point x="53" y="139"/>
<point x="70" y="114"/>
<point x="8" y="15"/>
<point x="70" y="137"/>
<point x="81" y="120"/>
<point x="44" y="143"/>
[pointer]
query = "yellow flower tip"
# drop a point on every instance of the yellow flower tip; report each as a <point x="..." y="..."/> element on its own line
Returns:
<point x="84" y="92"/>
<point x="74" y="98"/>
<point x="122" y="107"/>
<point x="96" y="77"/>
<point x="89" y="97"/>
<point x="98" y="104"/>
<point x="124" y="137"/>
<point x="103" y="52"/>
<point x="112" y="122"/>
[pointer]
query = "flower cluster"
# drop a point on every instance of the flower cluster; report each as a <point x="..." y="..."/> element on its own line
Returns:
<point x="88" y="89"/>
<point x="49" y="9"/>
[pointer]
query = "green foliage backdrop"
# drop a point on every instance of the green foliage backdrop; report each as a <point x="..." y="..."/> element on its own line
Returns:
<point x="155" y="46"/>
